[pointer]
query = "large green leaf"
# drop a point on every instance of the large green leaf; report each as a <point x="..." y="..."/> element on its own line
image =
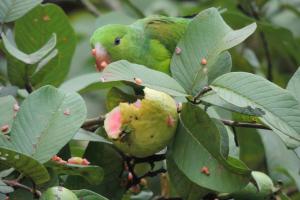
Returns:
<point x="282" y="111"/>
<point x="8" y="106"/>
<point x="280" y="159"/>
<point x="4" y="189"/>
<point x="91" y="173"/>
<point x="84" y="135"/>
<point x="126" y="71"/>
<point x="294" y="84"/>
<point x="206" y="37"/>
<point x="26" y="165"/>
<point x="198" y="135"/>
<point x="88" y="195"/>
<point x="47" y="120"/>
<point x="86" y="82"/>
<point x="32" y="58"/>
<point x="184" y="187"/>
<point x="11" y="10"/>
<point x="109" y="159"/>
<point x="34" y="29"/>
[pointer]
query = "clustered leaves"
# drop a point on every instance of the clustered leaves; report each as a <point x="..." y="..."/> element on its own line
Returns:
<point x="46" y="140"/>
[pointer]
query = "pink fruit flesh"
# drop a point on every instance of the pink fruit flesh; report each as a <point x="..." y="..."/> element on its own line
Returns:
<point x="138" y="104"/>
<point x="113" y="123"/>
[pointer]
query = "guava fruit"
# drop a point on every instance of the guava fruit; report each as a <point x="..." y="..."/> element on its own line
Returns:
<point x="145" y="127"/>
<point x="58" y="193"/>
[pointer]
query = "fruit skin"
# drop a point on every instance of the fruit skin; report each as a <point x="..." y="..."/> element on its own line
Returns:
<point x="145" y="127"/>
<point x="58" y="193"/>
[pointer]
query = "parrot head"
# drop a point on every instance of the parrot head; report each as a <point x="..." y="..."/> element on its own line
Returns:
<point x="110" y="43"/>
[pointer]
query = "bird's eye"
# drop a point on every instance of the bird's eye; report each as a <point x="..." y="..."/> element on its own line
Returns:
<point x="117" y="41"/>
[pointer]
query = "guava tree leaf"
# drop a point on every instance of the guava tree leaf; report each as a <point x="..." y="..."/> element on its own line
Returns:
<point x="86" y="82"/>
<point x="84" y="135"/>
<point x="26" y="165"/>
<point x="280" y="159"/>
<point x="184" y="187"/>
<point x="126" y="71"/>
<point x="206" y="37"/>
<point x="198" y="135"/>
<point x="111" y="162"/>
<point x="294" y="84"/>
<point x="88" y="195"/>
<point x="282" y="111"/>
<point x="34" y="29"/>
<point x="4" y="189"/>
<point x="260" y="190"/>
<point x="47" y="120"/>
<point x="32" y="58"/>
<point x="7" y="114"/>
<point x="91" y="173"/>
<point x="11" y="10"/>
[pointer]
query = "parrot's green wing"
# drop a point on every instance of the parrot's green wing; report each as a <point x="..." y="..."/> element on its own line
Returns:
<point x="167" y="30"/>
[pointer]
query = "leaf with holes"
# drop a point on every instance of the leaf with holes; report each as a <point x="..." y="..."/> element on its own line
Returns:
<point x="141" y="75"/>
<point x="282" y="111"/>
<point x="47" y="120"/>
<point x="198" y="135"/>
<point x="202" y="58"/>
<point x="26" y="165"/>
<point x="32" y="58"/>
<point x="91" y="173"/>
<point x="11" y="10"/>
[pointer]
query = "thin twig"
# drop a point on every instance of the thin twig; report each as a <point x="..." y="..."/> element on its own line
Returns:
<point x="255" y="14"/>
<point x="244" y="124"/>
<point x="91" y="8"/>
<point x="14" y="183"/>
<point x="98" y="121"/>
<point x="201" y="93"/>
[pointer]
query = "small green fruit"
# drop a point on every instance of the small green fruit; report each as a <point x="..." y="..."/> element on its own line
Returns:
<point x="58" y="193"/>
<point x="144" y="127"/>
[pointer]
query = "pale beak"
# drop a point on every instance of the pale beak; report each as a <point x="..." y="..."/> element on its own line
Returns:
<point x="102" y="57"/>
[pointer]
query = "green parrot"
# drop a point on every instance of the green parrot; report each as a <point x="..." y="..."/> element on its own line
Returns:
<point x="150" y="42"/>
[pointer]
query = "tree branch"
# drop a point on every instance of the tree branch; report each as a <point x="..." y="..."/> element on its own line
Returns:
<point x="244" y="124"/>
<point x="90" y="123"/>
<point x="91" y="8"/>
<point x="16" y="184"/>
<point x="201" y="93"/>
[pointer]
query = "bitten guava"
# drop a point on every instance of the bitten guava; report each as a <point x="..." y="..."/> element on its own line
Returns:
<point x="145" y="127"/>
<point x="58" y="193"/>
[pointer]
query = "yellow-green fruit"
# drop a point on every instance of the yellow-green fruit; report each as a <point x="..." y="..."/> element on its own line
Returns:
<point x="141" y="168"/>
<point x="58" y="193"/>
<point x="145" y="127"/>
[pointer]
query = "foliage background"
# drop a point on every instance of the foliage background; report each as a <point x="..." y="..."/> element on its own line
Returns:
<point x="273" y="52"/>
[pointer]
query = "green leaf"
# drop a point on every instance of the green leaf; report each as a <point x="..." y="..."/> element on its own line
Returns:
<point x="86" y="82"/>
<point x="280" y="159"/>
<point x="34" y="29"/>
<point x="47" y="120"/>
<point x="11" y="10"/>
<point x="84" y="135"/>
<point x="26" y="165"/>
<point x="88" y="195"/>
<point x="260" y="190"/>
<point x="4" y="189"/>
<point x="198" y="135"/>
<point x="109" y="159"/>
<point x="32" y="58"/>
<point x="293" y="85"/>
<point x="282" y="111"/>
<point x="7" y="111"/>
<point x="183" y="186"/>
<point x="91" y="173"/>
<point x="206" y="37"/>
<point x="126" y="71"/>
